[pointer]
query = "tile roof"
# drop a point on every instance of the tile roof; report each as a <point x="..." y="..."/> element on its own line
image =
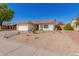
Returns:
<point x="43" y="22"/>
<point x="77" y="19"/>
<point x="39" y="22"/>
<point x="25" y="23"/>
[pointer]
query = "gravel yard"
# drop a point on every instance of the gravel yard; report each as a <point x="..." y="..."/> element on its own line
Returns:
<point x="41" y="44"/>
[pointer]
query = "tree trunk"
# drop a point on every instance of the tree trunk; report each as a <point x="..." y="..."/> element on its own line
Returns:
<point x="1" y="24"/>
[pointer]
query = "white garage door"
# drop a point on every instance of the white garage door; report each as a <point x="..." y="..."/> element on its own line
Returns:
<point x="22" y="28"/>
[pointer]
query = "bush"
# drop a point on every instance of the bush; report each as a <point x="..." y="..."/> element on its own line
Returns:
<point x="68" y="27"/>
<point x="34" y="30"/>
<point x="55" y="28"/>
<point x="77" y="23"/>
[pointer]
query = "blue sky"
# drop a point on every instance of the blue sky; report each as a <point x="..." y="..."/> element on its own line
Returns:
<point x="63" y="12"/>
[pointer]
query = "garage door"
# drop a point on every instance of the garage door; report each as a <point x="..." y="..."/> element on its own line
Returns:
<point x="22" y="28"/>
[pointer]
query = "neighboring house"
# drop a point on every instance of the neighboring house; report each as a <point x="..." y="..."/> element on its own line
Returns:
<point x="46" y="25"/>
<point x="8" y="26"/>
<point x="74" y="23"/>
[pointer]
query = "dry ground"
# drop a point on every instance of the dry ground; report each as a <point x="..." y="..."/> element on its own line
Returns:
<point x="43" y="43"/>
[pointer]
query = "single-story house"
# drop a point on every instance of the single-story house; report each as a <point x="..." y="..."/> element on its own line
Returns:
<point x="74" y="23"/>
<point x="8" y="26"/>
<point x="25" y="26"/>
<point x="46" y="25"/>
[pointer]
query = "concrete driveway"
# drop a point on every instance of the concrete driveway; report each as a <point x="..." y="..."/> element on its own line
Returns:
<point x="9" y="48"/>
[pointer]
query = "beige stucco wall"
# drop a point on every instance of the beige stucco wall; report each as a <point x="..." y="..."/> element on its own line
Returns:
<point x="24" y="27"/>
<point x="73" y="23"/>
<point x="50" y="27"/>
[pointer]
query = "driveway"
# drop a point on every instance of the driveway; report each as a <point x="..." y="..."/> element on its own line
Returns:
<point x="74" y="36"/>
<point x="41" y="44"/>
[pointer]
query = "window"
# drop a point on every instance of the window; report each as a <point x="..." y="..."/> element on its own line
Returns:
<point x="45" y="26"/>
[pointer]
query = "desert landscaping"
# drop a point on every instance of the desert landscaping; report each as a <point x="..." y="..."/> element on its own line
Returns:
<point x="39" y="29"/>
<point x="14" y="43"/>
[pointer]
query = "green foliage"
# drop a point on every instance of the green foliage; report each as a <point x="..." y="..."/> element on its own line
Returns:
<point x="55" y="28"/>
<point x="6" y="14"/>
<point x="68" y="27"/>
<point x="77" y="23"/>
<point x="2" y="6"/>
<point x="34" y="30"/>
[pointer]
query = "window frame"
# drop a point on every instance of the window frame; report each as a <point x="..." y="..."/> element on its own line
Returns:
<point x="46" y="26"/>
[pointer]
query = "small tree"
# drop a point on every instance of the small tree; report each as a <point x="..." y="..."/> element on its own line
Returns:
<point x="34" y="30"/>
<point x="68" y="27"/>
<point x="6" y="14"/>
<point x="77" y="23"/>
<point x="55" y="28"/>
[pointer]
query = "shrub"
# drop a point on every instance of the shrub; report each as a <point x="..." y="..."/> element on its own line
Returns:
<point x="55" y="28"/>
<point x="34" y="30"/>
<point x="68" y="27"/>
<point x="77" y="23"/>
